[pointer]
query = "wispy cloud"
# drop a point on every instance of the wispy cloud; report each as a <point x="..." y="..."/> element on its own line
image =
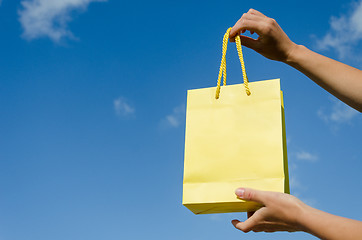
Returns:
<point x="340" y="113"/>
<point x="303" y="155"/>
<point x="122" y="108"/>
<point x="49" y="18"/>
<point x="345" y="32"/>
<point x="295" y="184"/>
<point x="176" y="118"/>
<point x="297" y="173"/>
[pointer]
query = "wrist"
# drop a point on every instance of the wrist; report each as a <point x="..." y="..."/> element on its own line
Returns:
<point x="293" y="53"/>
<point x="307" y="217"/>
<point x="300" y="216"/>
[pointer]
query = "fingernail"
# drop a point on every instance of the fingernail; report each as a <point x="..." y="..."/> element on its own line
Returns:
<point x="240" y="192"/>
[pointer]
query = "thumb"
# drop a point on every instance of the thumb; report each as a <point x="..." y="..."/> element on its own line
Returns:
<point x="250" y="194"/>
<point x="248" y="224"/>
<point x="249" y="42"/>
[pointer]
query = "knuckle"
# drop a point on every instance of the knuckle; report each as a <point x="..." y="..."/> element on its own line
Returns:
<point x="250" y="195"/>
<point x="271" y="22"/>
<point x="268" y="28"/>
<point x="245" y="22"/>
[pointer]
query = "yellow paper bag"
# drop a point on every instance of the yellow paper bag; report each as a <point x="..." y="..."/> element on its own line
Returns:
<point x="235" y="136"/>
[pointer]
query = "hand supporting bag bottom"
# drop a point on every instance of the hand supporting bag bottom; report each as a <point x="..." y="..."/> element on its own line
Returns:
<point x="235" y="140"/>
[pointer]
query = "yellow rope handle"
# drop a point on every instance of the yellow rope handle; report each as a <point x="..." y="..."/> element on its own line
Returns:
<point x="240" y="53"/>
<point x="222" y="70"/>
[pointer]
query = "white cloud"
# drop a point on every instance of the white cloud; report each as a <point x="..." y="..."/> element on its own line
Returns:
<point x="303" y="155"/>
<point x="340" y="113"/>
<point x="345" y="32"/>
<point x="122" y="108"/>
<point x="177" y="117"/>
<point x="49" y="18"/>
<point x="298" y="173"/>
<point x="295" y="185"/>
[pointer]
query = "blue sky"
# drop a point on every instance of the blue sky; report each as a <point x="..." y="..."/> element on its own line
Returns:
<point x="92" y="114"/>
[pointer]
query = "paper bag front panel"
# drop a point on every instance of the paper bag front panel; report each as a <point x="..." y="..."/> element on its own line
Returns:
<point x="236" y="140"/>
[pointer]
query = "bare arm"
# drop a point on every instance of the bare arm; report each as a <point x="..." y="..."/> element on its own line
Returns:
<point x="283" y="212"/>
<point x="341" y="80"/>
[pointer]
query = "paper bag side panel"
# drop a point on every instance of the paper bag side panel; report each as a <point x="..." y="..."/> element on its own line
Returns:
<point x="285" y="154"/>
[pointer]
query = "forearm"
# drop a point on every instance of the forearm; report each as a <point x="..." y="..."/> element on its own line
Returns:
<point x="329" y="227"/>
<point x="341" y="80"/>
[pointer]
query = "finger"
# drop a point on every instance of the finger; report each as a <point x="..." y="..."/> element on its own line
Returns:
<point x="249" y="42"/>
<point x="250" y="24"/>
<point x="247" y="225"/>
<point x="239" y="225"/>
<point x="233" y="31"/>
<point x="250" y="194"/>
<point x="261" y="228"/>
<point x="246" y="16"/>
<point x="253" y="17"/>
<point x="232" y="39"/>
<point x="274" y="227"/>
<point x="256" y="12"/>
<point x="235" y="222"/>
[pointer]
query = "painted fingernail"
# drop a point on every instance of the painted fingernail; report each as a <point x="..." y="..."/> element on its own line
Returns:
<point x="240" y="192"/>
